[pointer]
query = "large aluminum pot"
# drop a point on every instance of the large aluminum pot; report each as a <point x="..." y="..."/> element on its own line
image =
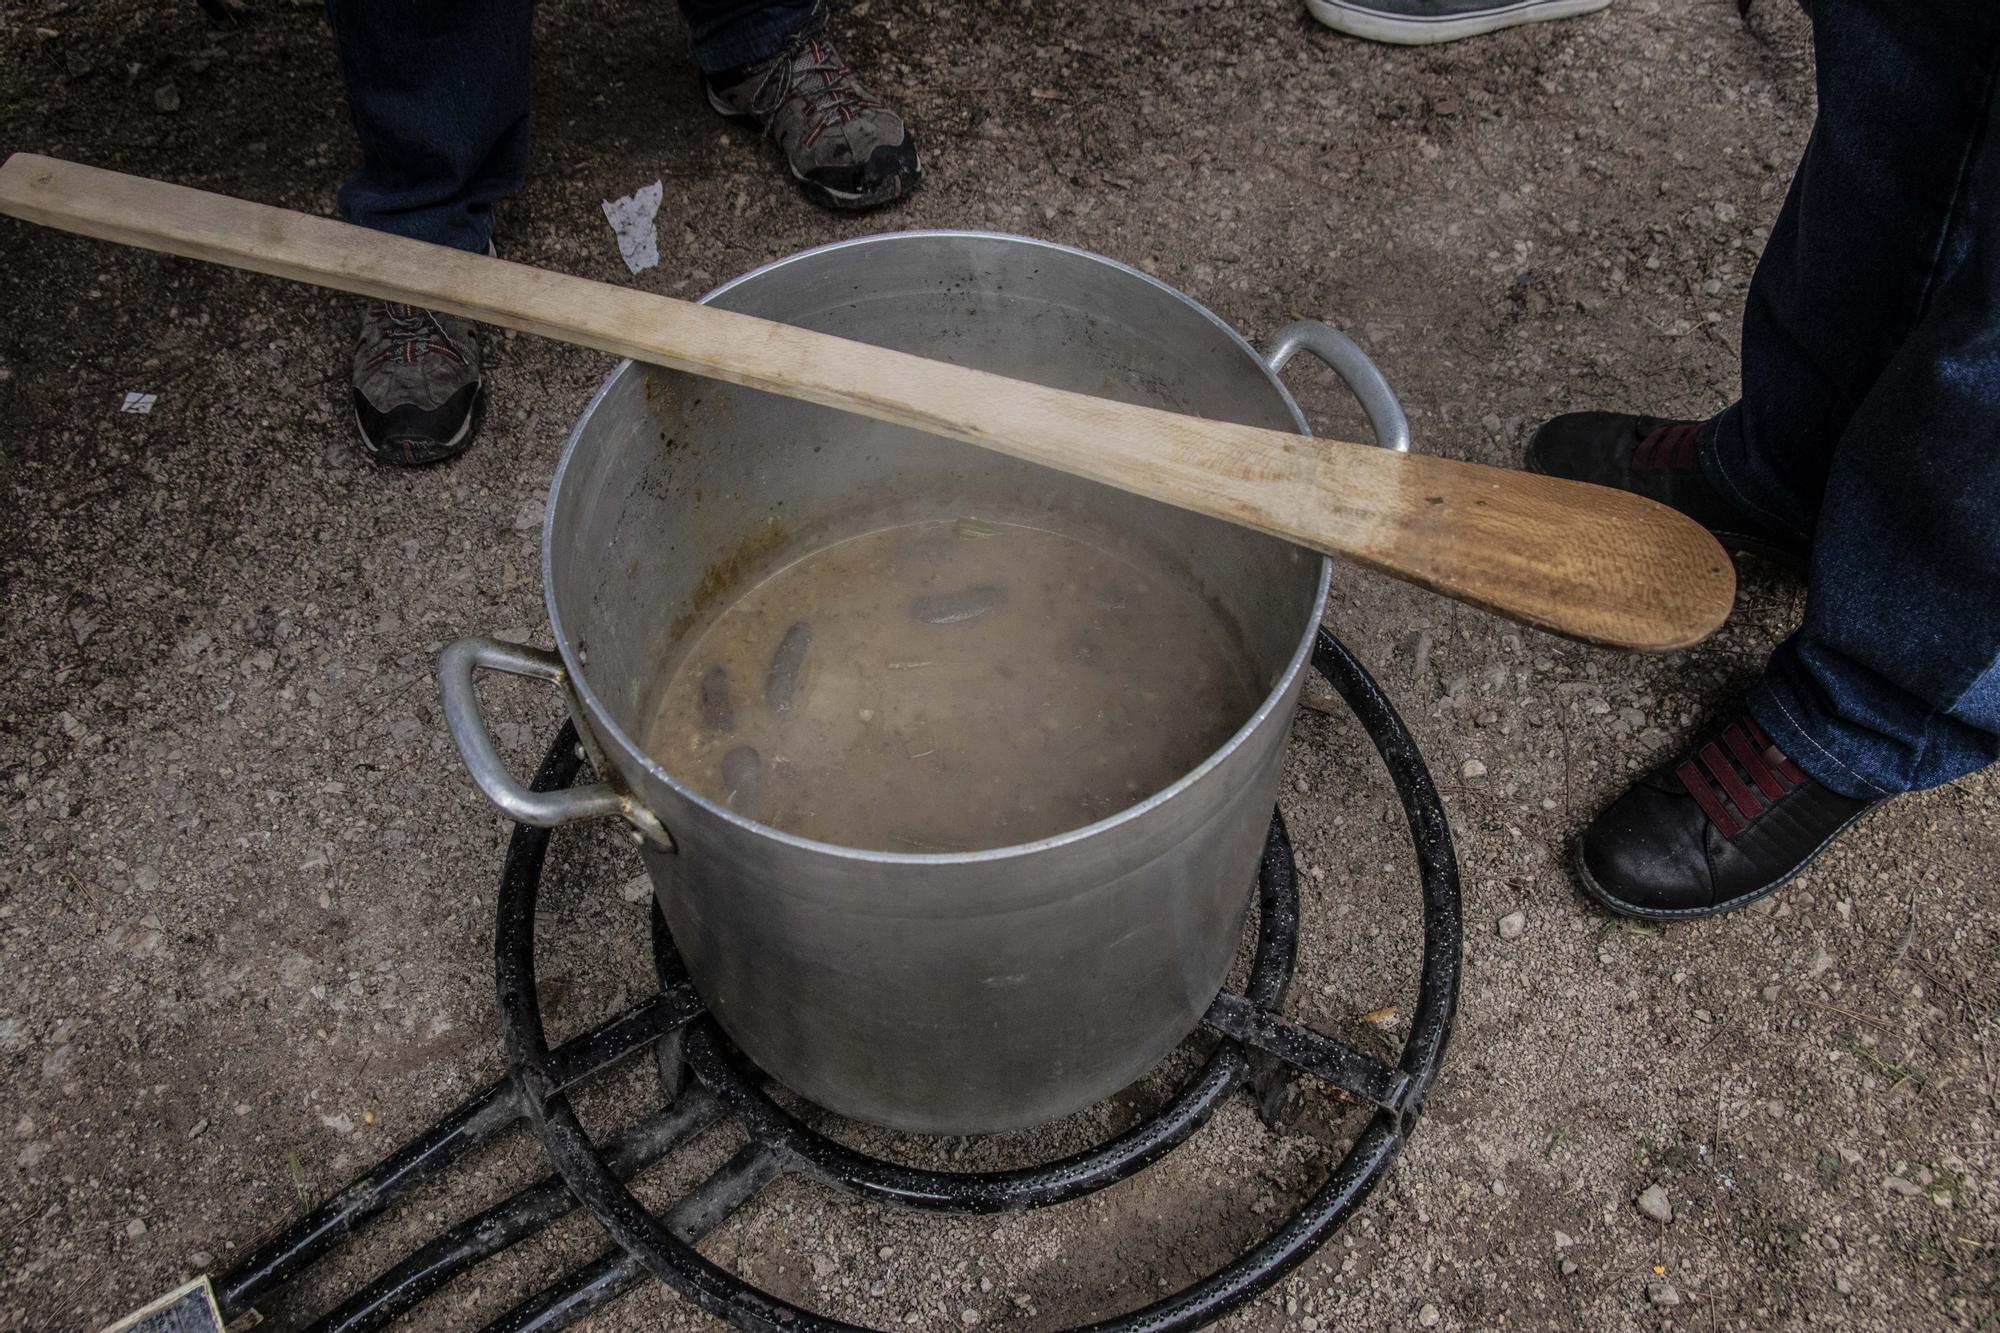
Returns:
<point x="952" y="993"/>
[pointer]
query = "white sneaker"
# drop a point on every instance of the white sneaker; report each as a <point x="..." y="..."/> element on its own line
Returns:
<point x="1417" y="22"/>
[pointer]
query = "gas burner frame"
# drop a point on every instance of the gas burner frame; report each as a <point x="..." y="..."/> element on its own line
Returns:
<point x="705" y="1081"/>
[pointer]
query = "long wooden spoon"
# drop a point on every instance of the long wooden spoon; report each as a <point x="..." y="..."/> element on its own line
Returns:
<point x="1582" y="560"/>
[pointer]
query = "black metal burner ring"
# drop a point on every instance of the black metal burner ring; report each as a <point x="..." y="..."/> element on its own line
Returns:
<point x="1261" y="1045"/>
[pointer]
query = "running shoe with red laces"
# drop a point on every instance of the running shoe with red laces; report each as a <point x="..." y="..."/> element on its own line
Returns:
<point x="1719" y="826"/>
<point x="846" y="147"/>
<point x="418" y="392"/>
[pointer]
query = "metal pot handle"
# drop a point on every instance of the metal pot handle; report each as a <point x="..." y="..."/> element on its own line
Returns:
<point x="1377" y="399"/>
<point x="544" y="809"/>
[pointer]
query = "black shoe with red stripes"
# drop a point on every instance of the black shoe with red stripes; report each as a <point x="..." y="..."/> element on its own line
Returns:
<point x="1659" y="459"/>
<point x="1728" y="821"/>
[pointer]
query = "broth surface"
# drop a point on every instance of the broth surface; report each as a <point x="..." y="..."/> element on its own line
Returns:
<point x="950" y="686"/>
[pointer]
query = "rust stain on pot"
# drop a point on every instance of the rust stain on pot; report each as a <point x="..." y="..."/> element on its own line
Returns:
<point x="667" y="399"/>
<point x="756" y="547"/>
<point x="675" y="408"/>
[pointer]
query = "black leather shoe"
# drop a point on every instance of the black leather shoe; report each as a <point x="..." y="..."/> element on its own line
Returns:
<point x="1728" y="821"/>
<point x="1656" y="458"/>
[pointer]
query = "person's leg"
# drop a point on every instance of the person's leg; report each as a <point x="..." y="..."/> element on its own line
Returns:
<point x="438" y="91"/>
<point x="1841" y="284"/>
<point x="771" y="63"/>
<point x="729" y="34"/>
<point x="1892" y="683"/>
<point x="1853" y="256"/>
<point x="1882" y="323"/>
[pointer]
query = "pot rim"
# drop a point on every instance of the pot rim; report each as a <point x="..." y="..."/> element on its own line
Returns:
<point x="600" y="722"/>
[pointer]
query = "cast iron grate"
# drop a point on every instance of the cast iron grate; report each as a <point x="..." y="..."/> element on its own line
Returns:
<point x="705" y="1082"/>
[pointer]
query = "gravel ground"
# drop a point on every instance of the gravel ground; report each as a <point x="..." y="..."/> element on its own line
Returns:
<point x="247" y="891"/>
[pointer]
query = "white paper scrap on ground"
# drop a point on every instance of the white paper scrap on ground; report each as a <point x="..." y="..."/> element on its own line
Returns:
<point x="632" y="218"/>
<point x="141" y="403"/>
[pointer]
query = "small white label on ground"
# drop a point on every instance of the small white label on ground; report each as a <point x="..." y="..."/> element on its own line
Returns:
<point x="632" y="219"/>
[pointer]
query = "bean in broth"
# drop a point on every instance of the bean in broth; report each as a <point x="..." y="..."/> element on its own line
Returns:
<point x="718" y="711"/>
<point x="788" y="663"/>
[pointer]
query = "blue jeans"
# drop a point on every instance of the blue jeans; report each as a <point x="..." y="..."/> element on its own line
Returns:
<point x="1870" y="416"/>
<point x="438" y="90"/>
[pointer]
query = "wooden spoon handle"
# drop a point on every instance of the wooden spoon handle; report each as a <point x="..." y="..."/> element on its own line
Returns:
<point x="1581" y="560"/>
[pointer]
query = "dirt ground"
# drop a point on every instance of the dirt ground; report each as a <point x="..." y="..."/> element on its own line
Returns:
<point x="246" y="889"/>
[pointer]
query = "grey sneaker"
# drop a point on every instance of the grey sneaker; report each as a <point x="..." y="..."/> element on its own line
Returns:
<point x="418" y="393"/>
<point x="1415" y="22"/>
<point x="845" y="146"/>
